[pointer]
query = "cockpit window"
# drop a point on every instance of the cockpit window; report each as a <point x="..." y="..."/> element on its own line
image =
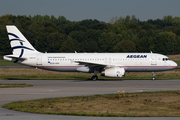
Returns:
<point x="165" y="59"/>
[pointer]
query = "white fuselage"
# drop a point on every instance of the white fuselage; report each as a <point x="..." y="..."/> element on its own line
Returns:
<point x="131" y="62"/>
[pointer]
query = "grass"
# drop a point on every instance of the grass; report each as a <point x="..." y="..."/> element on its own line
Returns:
<point x="32" y="73"/>
<point x="178" y="62"/>
<point x="4" y="62"/>
<point x="5" y="85"/>
<point x="145" y="104"/>
<point x="174" y="57"/>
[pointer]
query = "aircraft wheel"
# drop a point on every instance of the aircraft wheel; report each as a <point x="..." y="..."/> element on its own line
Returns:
<point x="153" y="78"/>
<point x="94" y="78"/>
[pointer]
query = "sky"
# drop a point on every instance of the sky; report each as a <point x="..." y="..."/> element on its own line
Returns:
<point x="102" y="10"/>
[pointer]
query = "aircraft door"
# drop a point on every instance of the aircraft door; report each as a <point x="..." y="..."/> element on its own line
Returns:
<point x="109" y="60"/>
<point x="105" y="60"/>
<point x="39" y="60"/>
<point x="153" y="60"/>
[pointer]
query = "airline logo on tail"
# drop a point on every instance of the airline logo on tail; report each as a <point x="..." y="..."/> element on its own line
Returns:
<point x="19" y="44"/>
<point x="18" y="47"/>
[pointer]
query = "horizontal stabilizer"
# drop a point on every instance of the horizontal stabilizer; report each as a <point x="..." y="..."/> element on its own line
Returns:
<point x="7" y="57"/>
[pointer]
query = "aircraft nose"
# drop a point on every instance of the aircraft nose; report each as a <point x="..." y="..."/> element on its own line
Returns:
<point x="174" y="64"/>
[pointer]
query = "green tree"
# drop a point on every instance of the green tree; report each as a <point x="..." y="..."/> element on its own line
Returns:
<point x="5" y="48"/>
<point x="79" y="36"/>
<point x="107" y="41"/>
<point x="165" y="43"/>
<point x="127" y="19"/>
<point x="145" y="44"/>
<point x="70" y="45"/>
<point x="125" y="46"/>
<point x="117" y="28"/>
<point x="54" y="41"/>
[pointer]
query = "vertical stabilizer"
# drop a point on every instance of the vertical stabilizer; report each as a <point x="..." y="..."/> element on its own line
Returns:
<point x="19" y="44"/>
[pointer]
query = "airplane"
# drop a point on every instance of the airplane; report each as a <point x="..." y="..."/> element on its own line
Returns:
<point x="107" y="64"/>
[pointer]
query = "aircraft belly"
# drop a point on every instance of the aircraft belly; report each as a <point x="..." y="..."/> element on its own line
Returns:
<point x="146" y="69"/>
<point x="61" y="69"/>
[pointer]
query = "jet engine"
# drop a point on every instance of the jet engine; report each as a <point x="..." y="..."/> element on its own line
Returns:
<point x="114" y="72"/>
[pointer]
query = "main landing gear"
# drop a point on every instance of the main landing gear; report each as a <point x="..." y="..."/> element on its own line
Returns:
<point x="153" y="76"/>
<point x="95" y="77"/>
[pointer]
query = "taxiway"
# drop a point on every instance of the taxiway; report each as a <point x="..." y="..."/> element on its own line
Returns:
<point x="64" y="88"/>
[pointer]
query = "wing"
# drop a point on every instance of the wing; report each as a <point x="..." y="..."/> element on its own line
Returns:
<point x="94" y="65"/>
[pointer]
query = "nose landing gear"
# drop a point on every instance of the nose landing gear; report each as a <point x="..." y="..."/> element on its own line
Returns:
<point x="153" y="76"/>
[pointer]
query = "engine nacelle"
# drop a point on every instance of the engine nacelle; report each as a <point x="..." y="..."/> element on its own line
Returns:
<point x="114" y="72"/>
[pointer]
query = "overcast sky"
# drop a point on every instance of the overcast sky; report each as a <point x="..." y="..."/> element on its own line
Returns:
<point x="102" y="10"/>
